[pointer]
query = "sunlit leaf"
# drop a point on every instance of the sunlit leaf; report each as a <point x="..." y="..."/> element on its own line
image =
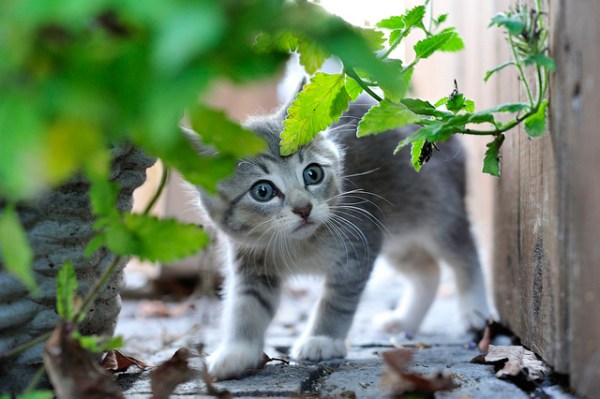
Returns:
<point x="15" y="250"/>
<point x="414" y="16"/>
<point x="66" y="289"/>
<point x="311" y="111"/>
<point x="228" y="137"/>
<point x="385" y="116"/>
<point x="535" y="125"/>
<point x="98" y="344"/>
<point x="391" y="23"/>
<point x="353" y="88"/>
<point x="154" y="239"/>
<point x="415" y="154"/>
<point x="491" y="160"/>
<point x="312" y="55"/>
<point x="426" y="47"/>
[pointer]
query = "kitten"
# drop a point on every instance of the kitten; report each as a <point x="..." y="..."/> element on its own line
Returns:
<point x="331" y="209"/>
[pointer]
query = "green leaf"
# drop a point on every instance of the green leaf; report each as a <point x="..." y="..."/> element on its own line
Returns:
<point x="542" y="60"/>
<point x="32" y="395"/>
<point x="513" y="23"/>
<point x="71" y="145"/>
<point x="312" y="55"/>
<point x="15" y="249"/>
<point x="66" y="291"/>
<point x="508" y="107"/>
<point x="431" y="44"/>
<point x="441" y="102"/>
<point x="385" y="116"/>
<point x="97" y="343"/>
<point x="228" y="137"/>
<point x="392" y="23"/>
<point x="315" y="108"/>
<point x="353" y="88"/>
<point x="421" y="107"/>
<point x="282" y="41"/>
<point x="187" y="32"/>
<point x="456" y="102"/>
<point x="535" y="125"/>
<point x="103" y="197"/>
<point x="415" y="154"/>
<point x="402" y="80"/>
<point x="455" y="42"/>
<point x="441" y="19"/>
<point x="469" y="106"/>
<point x="491" y="159"/>
<point x="374" y="38"/>
<point x="153" y="239"/>
<point x="489" y="73"/>
<point x="414" y="16"/>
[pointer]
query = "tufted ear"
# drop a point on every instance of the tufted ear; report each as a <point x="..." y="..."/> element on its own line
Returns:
<point x="199" y="146"/>
<point x="283" y="111"/>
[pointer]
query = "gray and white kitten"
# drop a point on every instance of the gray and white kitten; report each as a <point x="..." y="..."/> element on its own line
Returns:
<point x="331" y="209"/>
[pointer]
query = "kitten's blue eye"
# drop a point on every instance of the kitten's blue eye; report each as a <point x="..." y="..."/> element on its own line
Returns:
<point x="313" y="174"/>
<point x="263" y="191"/>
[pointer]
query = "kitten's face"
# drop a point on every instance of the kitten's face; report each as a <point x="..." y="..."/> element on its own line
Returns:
<point x="271" y="199"/>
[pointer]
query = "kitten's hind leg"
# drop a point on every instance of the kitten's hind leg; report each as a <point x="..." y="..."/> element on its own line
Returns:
<point x="422" y="273"/>
<point x="460" y="253"/>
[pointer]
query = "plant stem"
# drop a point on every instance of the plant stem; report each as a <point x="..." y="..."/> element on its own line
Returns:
<point x="163" y="181"/>
<point x="352" y="73"/>
<point x="27" y="345"/>
<point x="35" y="380"/>
<point x="520" y="69"/>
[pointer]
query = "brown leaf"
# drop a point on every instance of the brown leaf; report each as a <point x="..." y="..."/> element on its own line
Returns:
<point x="397" y="380"/>
<point x="116" y="362"/>
<point x="73" y="371"/>
<point x="165" y="378"/>
<point x="516" y="359"/>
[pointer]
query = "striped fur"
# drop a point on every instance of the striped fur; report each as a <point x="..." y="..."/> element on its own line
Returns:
<point x="369" y="203"/>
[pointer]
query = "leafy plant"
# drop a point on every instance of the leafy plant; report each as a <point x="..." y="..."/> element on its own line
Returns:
<point x="326" y="95"/>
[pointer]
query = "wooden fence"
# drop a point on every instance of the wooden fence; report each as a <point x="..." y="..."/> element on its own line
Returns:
<point x="547" y="224"/>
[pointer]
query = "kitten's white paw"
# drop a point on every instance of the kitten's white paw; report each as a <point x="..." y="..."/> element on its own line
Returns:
<point x="319" y="348"/>
<point x="234" y="360"/>
<point x="391" y="323"/>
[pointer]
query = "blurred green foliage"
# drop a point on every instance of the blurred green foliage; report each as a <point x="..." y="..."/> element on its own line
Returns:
<point x="76" y="77"/>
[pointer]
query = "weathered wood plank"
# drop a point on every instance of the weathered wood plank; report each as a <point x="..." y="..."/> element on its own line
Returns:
<point x="576" y="120"/>
<point x="530" y="280"/>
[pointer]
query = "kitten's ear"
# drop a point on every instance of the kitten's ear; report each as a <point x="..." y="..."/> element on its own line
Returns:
<point x="198" y="145"/>
<point x="283" y="111"/>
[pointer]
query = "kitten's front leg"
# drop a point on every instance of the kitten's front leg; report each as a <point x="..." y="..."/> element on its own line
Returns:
<point x="326" y="336"/>
<point x="251" y="303"/>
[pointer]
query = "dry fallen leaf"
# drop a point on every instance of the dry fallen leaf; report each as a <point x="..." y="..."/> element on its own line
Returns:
<point x="515" y="360"/>
<point x="397" y="380"/>
<point x="73" y="371"/>
<point x="165" y="378"/>
<point x="116" y="362"/>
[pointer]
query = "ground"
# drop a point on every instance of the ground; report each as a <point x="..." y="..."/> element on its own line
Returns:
<point x="441" y="347"/>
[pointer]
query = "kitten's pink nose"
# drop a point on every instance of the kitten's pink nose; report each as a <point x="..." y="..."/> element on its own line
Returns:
<point x="303" y="212"/>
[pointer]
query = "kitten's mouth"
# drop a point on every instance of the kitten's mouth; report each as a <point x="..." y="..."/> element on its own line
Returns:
<point x="304" y="227"/>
